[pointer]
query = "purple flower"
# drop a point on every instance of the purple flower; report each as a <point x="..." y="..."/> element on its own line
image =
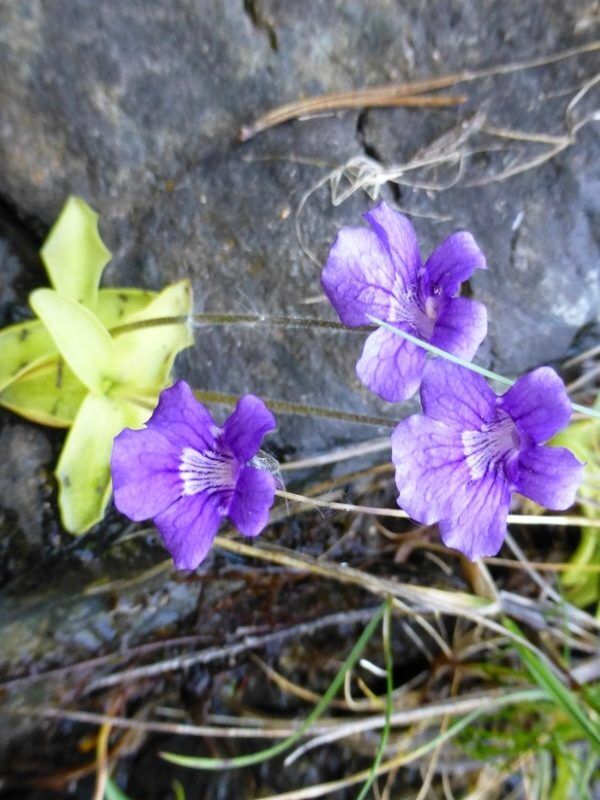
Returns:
<point x="459" y="462"/>
<point x="186" y="474"/>
<point x="378" y="271"/>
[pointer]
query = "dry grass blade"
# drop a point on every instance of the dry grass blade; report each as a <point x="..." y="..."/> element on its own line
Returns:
<point x="399" y="94"/>
<point x="102" y="761"/>
<point x="397" y="513"/>
<point x="542" y="583"/>
<point x="398" y="761"/>
<point x="285" y="685"/>
<point x="592" y="352"/>
<point x="375" y="97"/>
<point x="341" y="454"/>
<point x="403" y="694"/>
<point x="463" y="705"/>
<point x="541" y="566"/>
<point x="275" y="731"/>
<point x="245" y="644"/>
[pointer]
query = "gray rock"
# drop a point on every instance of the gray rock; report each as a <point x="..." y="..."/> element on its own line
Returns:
<point x="24" y="478"/>
<point x="538" y="229"/>
<point x="136" y="106"/>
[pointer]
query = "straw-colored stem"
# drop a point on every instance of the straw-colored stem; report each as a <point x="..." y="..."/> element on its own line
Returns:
<point x="399" y="94"/>
<point x="517" y="519"/>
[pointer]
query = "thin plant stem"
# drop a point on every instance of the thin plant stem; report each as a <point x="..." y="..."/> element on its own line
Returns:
<point x="152" y="726"/>
<point x="486" y="373"/>
<point x="301" y="409"/>
<point x="398" y="94"/>
<point x="102" y="761"/>
<point x="340" y="454"/>
<point x="282" y="406"/>
<point x="389" y="700"/>
<point x="375" y="97"/>
<point x="385" y="767"/>
<point x="251" y="320"/>
<point x="320" y="503"/>
<point x="307" y="323"/>
<point x="517" y="519"/>
<point x="318" y="710"/>
<point x="233" y="649"/>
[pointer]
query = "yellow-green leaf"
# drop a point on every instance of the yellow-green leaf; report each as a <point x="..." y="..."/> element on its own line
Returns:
<point x="115" y="306"/>
<point x="74" y="254"/>
<point x="83" y="469"/>
<point x="49" y="393"/>
<point x="22" y="346"/>
<point x="80" y="337"/>
<point x="146" y="355"/>
<point x="579" y="437"/>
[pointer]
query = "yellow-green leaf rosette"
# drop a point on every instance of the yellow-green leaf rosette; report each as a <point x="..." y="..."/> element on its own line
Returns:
<point x="67" y="369"/>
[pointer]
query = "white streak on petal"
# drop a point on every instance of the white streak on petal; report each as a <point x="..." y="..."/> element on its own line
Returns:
<point x="492" y="445"/>
<point x="206" y="472"/>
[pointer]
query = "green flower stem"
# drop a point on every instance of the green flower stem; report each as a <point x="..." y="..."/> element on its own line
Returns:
<point x="321" y="324"/>
<point x="200" y="320"/>
<point x="437" y="351"/>
<point x="389" y="699"/>
<point x="298" y="408"/>
<point x="318" y="710"/>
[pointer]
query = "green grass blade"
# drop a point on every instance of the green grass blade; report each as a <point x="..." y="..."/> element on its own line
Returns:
<point x="112" y="792"/>
<point x="198" y="762"/>
<point x="389" y="700"/>
<point x="178" y="790"/>
<point x="556" y="691"/>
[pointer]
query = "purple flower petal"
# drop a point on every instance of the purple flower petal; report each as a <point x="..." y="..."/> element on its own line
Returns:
<point x="145" y="472"/>
<point x="456" y="396"/>
<point x="253" y="498"/>
<point x="187" y="474"/>
<point x="398" y="236"/>
<point x="430" y="467"/>
<point x="454" y="262"/>
<point x="188" y="528"/>
<point x="246" y="427"/>
<point x="459" y="462"/>
<point x="181" y="418"/>
<point x="538" y="403"/>
<point x="549" y="475"/>
<point x="390" y="366"/>
<point x="358" y="277"/>
<point x="478" y="525"/>
<point x="379" y="273"/>
<point x="461" y="327"/>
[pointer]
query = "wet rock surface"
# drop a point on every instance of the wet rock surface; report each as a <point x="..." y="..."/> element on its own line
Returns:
<point x="136" y="106"/>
